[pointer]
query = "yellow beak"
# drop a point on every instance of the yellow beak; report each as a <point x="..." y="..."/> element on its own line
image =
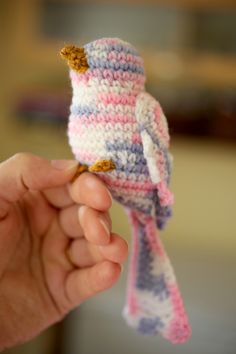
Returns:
<point x="76" y="58"/>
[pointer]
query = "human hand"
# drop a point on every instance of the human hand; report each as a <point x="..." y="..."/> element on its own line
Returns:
<point x="56" y="244"/>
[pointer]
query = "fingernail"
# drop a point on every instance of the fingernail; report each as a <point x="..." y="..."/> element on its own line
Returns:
<point x="64" y="164"/>
<point x="81" y="211"/>
<point x="109" y="193"/>
<point x="105" y="226"/>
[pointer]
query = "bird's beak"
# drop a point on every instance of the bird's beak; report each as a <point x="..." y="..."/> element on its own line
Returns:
<point x="76" y="58"/>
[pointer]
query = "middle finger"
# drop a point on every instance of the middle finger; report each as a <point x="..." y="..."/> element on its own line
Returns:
<point x="85" y="254"/>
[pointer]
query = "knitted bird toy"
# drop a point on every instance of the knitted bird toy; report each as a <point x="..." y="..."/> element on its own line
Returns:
<point x="119" y="132"/>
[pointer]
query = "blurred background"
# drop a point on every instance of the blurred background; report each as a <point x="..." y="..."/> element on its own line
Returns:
<point x="189" y="48"/>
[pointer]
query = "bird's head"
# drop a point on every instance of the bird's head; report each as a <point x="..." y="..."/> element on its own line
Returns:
<point x="108" y="58"/>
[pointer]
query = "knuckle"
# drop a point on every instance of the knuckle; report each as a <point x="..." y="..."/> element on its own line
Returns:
<point x="22" y="157"/>
<point x="26" y="165"/>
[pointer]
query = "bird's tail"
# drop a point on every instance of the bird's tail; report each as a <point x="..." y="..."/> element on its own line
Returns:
<point x="154" y="303"/>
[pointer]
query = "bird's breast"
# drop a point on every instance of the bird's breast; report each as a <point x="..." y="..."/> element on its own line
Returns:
<point x="113" y="134"/>
<point x="92" y="131"/>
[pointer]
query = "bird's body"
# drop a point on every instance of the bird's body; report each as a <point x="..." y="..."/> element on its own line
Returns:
<point x="114" y="119"/>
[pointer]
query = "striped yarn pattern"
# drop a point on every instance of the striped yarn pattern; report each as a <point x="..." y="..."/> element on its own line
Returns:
<point x="113" y="118"/>
<point x="103" y="123"/>
<point x="154" y="305"/>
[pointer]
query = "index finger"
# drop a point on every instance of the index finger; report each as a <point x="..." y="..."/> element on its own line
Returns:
<point x="89" y="190"/>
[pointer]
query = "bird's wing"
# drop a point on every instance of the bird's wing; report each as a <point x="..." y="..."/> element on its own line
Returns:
<point x="153" y="128"/>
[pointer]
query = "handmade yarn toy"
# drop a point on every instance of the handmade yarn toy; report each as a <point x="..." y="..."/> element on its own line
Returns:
<point x="118" y="131"/>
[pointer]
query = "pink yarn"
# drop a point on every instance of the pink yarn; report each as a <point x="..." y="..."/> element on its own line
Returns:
<point x="117" y="99"/>
<point x="166" y="197"/>
<point x="179" y="330"/>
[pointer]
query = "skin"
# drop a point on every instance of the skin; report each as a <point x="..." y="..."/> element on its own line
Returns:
<point x="56" y="244"/>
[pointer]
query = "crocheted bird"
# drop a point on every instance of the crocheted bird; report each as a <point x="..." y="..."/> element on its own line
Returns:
<point x="119" y="132"/>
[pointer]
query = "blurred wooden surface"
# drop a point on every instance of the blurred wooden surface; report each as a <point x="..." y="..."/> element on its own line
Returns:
<point x="202" y="4"/>
<point x="27" y="51"/>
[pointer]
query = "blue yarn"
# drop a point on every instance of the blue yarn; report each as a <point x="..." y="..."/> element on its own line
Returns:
<point x="145" y="279"/>
<point x="106" y="64"/>
<point x="150" y="326"/>
<point x="82" y="110"/>
<point x="120" y="48"/>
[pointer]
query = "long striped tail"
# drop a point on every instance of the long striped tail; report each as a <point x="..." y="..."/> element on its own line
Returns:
<point x="154" y="304"/>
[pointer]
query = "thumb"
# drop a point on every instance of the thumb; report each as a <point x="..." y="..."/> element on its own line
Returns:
<point x="25" y="171"/>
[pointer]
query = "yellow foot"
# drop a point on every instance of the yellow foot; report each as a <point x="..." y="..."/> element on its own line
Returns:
<point x="99" y="166"/>
<point x="102" y="166"/>
<point x="80" y="169"/>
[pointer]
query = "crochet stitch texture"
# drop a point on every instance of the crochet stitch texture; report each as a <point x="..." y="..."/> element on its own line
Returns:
<point x="119" y="131"/>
